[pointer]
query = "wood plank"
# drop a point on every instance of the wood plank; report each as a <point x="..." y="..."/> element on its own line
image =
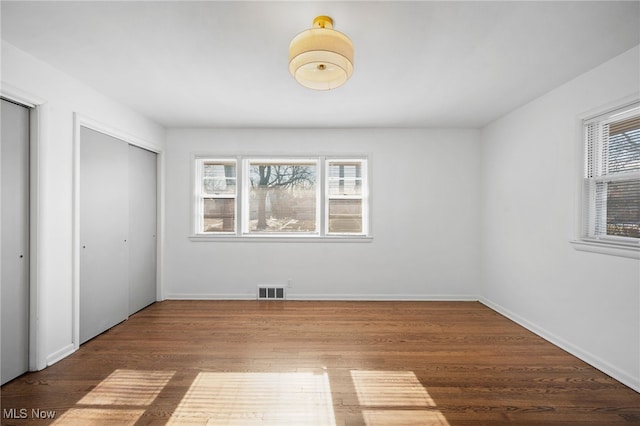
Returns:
<point x="306" y="363"/>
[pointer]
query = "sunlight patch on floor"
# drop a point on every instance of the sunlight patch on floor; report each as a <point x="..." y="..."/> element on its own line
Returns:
<point x="390" y="388"/>
<point x="394" y="398"/>
<point x="128" y="387"/>
<point x="99" y="417"/>
<point x="403" y="418"/>
<point x="293" y="398"/>
<point x="123" y="388"/>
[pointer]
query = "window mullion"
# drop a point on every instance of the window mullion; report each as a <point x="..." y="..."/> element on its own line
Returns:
<point x="616" y="177"/>
<point x="198" y="196"/>
<point x="239" y="191"/>
<point x="244" y="198"/>
<point x="323" y="203"/>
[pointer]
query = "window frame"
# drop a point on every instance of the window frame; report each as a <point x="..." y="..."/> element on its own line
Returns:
<point x="200" y="196"/>
<point x="242" y="209"/>
<point x="247" y="162"/>
<point x="364" y="194"/>
<point x="587" y="239"/>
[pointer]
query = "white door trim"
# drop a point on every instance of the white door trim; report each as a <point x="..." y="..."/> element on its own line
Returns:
<point x="38" y="115"/>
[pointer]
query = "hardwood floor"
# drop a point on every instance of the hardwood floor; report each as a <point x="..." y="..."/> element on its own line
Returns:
<point x="319" y="363"/>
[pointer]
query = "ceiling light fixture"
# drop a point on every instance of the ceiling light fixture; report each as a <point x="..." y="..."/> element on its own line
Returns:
<point x="321" y="58"/>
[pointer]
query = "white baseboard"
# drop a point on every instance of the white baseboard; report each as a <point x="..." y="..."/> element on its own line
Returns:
<point x="330" y="297"/>
<point x="385" y="297"/>
<point x="209" y="296"/>
<point x="586" y="356"/>
<point x="60" y="354"/>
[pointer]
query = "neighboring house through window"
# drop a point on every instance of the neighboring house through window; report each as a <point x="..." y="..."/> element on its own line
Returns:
<point x="216" y="191"/>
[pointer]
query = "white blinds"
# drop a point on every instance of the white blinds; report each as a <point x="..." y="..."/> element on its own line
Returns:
<point x="612" y="176"/>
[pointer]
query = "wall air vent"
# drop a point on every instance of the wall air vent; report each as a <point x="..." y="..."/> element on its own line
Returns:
<point x="267" y="292"/>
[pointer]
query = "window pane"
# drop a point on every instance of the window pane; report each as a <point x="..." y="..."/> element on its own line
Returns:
<point x="623" y="208"/>
<point x="345" y="178"/>
<point x="219" y="215"/>
<point x="282" y="197"/>
<point x="219" y="178"/>
<point x="345" y="216"/>
<point x="623" y="147"/>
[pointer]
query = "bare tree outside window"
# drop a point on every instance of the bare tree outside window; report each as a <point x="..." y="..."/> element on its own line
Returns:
<point x="622" y="154"/>
<point x="282" y="197"/>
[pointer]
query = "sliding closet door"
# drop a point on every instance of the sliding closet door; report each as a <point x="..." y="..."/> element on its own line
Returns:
<point x="15" y="241"/>
<point x="142" y="228"/>
<point x="104" y="221"/>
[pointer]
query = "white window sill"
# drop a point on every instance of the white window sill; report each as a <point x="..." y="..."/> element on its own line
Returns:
<point x="282" y="239"/>
<point x="608" y="248"/>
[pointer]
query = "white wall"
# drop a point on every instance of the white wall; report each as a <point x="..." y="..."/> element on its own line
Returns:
<point x="424" y="220"/>
<point x="587" y="303"/>
<point x="60" y="96"/>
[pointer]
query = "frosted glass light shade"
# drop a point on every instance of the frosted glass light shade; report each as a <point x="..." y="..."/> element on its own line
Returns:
<point x="321" y="58"/>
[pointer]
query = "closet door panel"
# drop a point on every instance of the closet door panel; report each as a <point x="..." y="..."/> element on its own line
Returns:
<point x="14" y="291"/>
<point x="142" y="228"/>
<point x="104" y="219"/>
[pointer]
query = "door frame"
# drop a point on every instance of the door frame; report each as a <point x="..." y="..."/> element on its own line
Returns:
<point x="80" y="120"/>
<point x="38" y="115"/>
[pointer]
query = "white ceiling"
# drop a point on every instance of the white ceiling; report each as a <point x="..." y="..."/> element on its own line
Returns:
<point x="417" y="64"/>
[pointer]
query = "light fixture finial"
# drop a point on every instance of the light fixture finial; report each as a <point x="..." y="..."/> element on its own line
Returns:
<point x="323" y="21"/>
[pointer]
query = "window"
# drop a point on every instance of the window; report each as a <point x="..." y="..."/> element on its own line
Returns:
<point x="216" y="196"/>
<point x="611" y="185"/>
<point x="281" y="197"/>
<point x="345" y="196"/>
